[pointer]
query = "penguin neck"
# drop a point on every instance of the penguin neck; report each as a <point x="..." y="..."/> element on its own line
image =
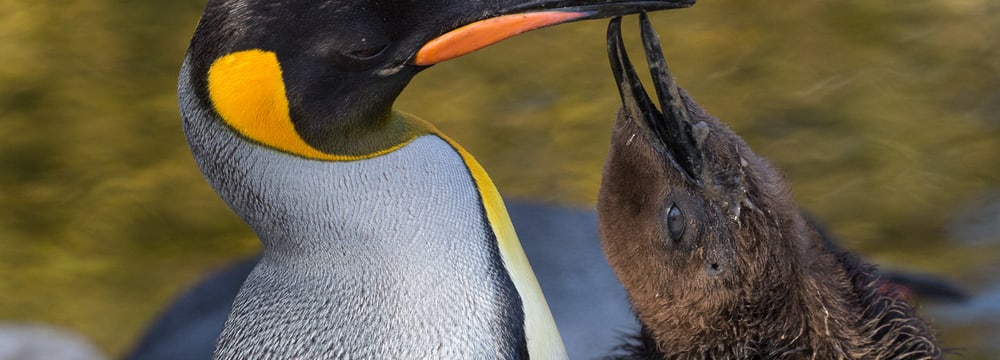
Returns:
<point x="305" y="208"/>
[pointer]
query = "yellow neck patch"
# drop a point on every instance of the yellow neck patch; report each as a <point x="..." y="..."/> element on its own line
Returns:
<point x="248" y="92"/>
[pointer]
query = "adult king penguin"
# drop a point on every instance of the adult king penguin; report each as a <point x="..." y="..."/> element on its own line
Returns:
<point x="382" y="237"/>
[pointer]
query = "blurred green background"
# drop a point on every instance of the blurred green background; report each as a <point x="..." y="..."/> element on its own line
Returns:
<point x="882" y="114"/>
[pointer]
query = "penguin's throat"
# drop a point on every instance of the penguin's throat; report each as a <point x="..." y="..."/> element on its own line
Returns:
<point x="359" y="138"/>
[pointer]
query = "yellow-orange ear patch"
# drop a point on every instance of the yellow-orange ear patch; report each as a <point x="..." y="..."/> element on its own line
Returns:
<point x="247" y="90"/>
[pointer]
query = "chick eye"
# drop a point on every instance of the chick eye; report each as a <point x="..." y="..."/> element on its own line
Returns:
<point x="675" y="222"/>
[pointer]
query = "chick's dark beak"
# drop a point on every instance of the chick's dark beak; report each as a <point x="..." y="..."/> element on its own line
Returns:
<point x="672" y="130"/>
<point x="527" y="16"/>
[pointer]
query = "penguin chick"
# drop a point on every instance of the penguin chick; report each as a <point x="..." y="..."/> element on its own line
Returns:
<point x="717" y="259"/>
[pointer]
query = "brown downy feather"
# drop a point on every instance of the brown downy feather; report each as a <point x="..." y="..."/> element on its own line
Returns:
<point x="718" y="260"/>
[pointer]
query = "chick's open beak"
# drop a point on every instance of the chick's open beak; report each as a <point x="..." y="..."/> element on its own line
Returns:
<point x="672" y="130"/>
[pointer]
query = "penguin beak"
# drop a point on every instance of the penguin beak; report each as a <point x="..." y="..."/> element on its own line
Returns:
<point x="671" y="131"/>
<point x="528" y="16"/>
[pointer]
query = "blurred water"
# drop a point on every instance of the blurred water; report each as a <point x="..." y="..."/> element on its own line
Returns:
<point x="882" y="115"/>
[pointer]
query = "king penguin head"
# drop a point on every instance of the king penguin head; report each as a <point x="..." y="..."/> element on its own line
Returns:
<point x="318" y="79"/>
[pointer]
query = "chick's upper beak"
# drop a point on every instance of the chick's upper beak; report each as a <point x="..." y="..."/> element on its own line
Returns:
<point x="671" y="131"/>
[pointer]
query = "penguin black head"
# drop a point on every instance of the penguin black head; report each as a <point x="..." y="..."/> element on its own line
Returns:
<point x="333" y="68"/>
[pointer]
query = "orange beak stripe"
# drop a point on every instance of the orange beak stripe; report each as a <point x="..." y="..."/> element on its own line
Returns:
<point x="487" y="32"/>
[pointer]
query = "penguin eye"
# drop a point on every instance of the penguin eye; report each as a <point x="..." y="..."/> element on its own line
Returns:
<point x="366" y="53"/>
<point x="675" y="222"/>
<point x="359" y="57"/>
